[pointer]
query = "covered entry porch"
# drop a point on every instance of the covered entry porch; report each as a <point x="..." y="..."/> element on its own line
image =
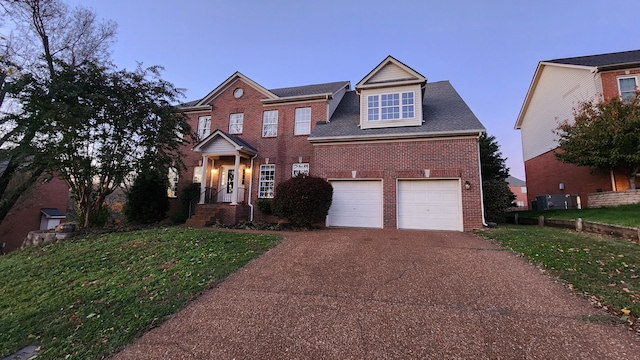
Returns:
<point x="224" y="175"/>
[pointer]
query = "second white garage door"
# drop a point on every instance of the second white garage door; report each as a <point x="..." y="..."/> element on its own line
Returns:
<point x="429" y="204"/>
<point x="356" y="203"/>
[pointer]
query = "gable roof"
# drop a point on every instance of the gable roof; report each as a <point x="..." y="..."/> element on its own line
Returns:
<point x="513" y="181"/>
<point x="407" y="74"/>
<point x="306" y="92"/>
<point x="444" y="113"/>
<point x="592" y="63"/>
<point x="239" y="143"/>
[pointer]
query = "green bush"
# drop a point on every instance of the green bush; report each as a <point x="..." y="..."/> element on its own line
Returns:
<point x="147" y="200"/>
<point x="187" y="194"/>
<point x="303" y="200"/>
<point x="265" y="206"/>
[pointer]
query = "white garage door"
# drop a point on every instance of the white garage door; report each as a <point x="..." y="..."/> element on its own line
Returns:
<point x="356" y="203"/>
<point x="429" y="204"/>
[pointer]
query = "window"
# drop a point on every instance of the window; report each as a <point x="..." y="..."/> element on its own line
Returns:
<point x="172" y="190"/>
<point x="235" y="123"/>
<point x="303" y="121"/>
<point x="204" y="126"/>
<point x="270" y="123"/>
<point x="388" y="107"/>
<point x="523" y="189"/>
<point x="197" y="175"/>
<point x="300" y="168"/>
<point x="627" y="87"/>
<point x="267" y="181"/>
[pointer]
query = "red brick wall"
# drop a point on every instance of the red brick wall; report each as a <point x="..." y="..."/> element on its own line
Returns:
<point x="545" y="173"/>
<point x="610" y="81"/>
<point x="446" y="158"/>
<point x="520" y="196"/>
<point x="25" y="215"/>
<point x="283" y="150"/>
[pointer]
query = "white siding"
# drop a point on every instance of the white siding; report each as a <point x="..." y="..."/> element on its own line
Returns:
<point x="558" y="92"/>
<point x="390" y="72"/>
<point x="219" y="146"/>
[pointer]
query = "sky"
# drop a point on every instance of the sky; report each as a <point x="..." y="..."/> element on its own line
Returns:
<point x="487" y="49"/>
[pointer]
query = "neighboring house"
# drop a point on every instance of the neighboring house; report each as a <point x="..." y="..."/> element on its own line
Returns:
<point x="558" y="86"/>
<point x="519" y="189"/>
<point x="41" y="207"/>
<point x="397" y="150"/>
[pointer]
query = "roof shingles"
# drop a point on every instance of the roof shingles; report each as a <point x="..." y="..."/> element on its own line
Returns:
<point x="444" y="112"/>
<point x="610" y="59"/>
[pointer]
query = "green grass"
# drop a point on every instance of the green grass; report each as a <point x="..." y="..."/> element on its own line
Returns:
<point x="88" y="297"/>
<point x="625" y="215"/>
<point x="606" y="268"/>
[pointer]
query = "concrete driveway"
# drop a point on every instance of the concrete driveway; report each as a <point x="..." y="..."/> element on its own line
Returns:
<point x="387" y="294"/>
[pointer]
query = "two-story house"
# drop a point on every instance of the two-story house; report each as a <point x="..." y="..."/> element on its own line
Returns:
<point x="400" y="152"/>
<point x="558" y="86"/>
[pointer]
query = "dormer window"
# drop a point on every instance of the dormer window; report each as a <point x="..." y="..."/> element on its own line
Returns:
<point x="388" y="106"/>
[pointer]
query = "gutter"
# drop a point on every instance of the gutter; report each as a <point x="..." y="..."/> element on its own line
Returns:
<point x="325" y="96"/>
<point x="484" y="221"/>
<point x="435" y="134"/>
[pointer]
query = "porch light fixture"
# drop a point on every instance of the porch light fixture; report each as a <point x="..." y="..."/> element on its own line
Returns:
<point x="467" y="185"/>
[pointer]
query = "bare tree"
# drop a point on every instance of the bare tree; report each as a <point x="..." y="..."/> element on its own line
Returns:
<point x="43" y="34"/>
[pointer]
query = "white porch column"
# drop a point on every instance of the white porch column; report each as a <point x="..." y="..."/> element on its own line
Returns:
<point x="236" y="177"/>
<point x="203" y="182"/>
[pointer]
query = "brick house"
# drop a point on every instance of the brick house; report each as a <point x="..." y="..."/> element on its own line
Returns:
<point x="400" y="152"/>
<point x="558" y="86"/>
<point x="33" y="209"/>
<point x="519" y="189"/>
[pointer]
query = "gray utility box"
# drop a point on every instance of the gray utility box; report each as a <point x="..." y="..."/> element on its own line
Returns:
<point x="557" y="201"/>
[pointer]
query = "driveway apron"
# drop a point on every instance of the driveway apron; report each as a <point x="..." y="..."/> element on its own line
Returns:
<point x="387" y="294"/>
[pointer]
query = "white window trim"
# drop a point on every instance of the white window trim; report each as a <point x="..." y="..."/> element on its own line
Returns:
<point x="303" y="118"/>
<point x="270" y="122"/>
<point x="266" y="187"/>
<point x="173" y="176"/>
<point x="400" y="106"/>
<point x="197" y="174"/>
<point x="236" y="120"/>
<point x="204" y="131"/>
<point x="297" y="168"/>
<point x="635" y="78"/>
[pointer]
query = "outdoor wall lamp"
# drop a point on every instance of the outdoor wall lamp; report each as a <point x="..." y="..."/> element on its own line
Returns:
<point x="467" y="185"/>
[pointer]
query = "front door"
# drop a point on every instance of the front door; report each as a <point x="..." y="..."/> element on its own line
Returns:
<point x="226" y="184"/>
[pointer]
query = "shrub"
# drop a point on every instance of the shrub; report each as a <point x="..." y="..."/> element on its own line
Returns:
<point x="187" y="194"/>
<point x="265" y="206"/>
<point x="303" y="200"/>
<point x="147" y="200"/>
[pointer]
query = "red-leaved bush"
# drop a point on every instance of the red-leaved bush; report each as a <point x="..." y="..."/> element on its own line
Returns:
<point x="303" y="200"/>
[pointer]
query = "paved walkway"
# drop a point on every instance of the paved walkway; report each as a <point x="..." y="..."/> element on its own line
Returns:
<point x="382" y="294"/>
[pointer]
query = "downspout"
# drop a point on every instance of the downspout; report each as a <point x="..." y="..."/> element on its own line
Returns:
<point x="484" y="222"/>
<point x="250" y="189"/>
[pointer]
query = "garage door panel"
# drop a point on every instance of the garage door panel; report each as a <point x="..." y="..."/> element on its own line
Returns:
<point x="429" y="204"/>
<point x="356" y="204"/>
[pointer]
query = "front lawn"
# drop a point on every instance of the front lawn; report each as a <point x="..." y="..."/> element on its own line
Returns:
<point x="625" y="215"/>
<point x="88" y="297"/>
<point x="605" y="269"/>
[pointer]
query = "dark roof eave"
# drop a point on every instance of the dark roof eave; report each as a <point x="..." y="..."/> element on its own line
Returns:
<point x="617" y="66"/>
<point x="423" y="135"/>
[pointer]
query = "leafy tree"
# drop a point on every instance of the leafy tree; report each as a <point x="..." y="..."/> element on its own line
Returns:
<point x="147" y="200"/>
<point x="40" y="33"/>
<point x="303" y="200"/>
<point x="497" y="196"/>
<point x="603" y="135"/>
<point x="95" y="126"/>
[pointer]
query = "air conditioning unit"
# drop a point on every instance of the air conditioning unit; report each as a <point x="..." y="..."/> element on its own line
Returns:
<point x="557" y="201"/>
